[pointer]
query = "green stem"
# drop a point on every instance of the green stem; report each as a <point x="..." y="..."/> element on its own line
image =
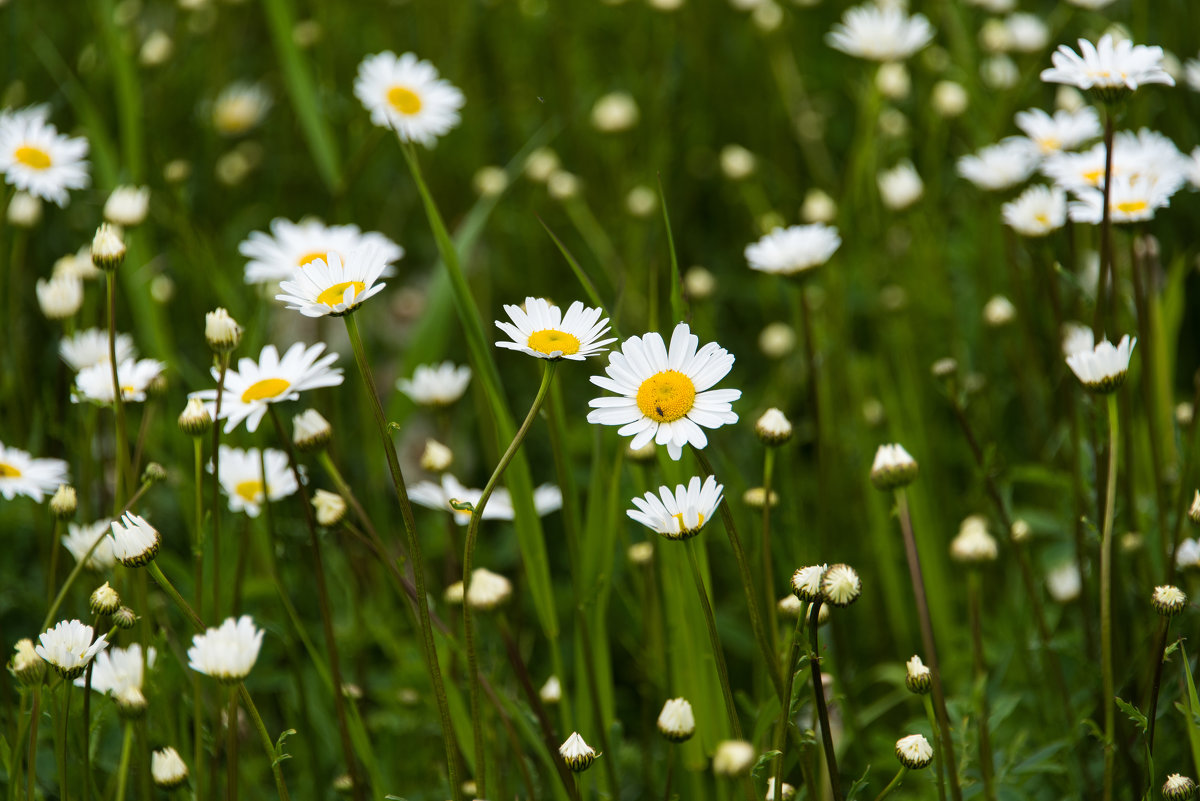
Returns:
<point x="1106" y="281"/>
<point x="1106" y="663"/>
<point x="468" y="560"/>
<point x="268" y="746"/>
<point x="937" y="752"/>
<point x="768" y="567"/>
<point x="1159" y="655"/>
<point x="714" y="641"/>
<point x="231" y="747"/>
<point x="123" y="769"/>
<point x="74" y="574"/>
<point x="215" y="507"/>
<point x="895" y="782"/>
<point x="814" y="661"/>
<point x="785" y="713"/>
<point x="985" y="746"/>
<point x="121" y="446"/>
<point x="418" y="567"/>
<point x="198" y="766"/>
<point x="63" y="780"/>
<point x="31" y="757"/>
<point x="53" y="573"/>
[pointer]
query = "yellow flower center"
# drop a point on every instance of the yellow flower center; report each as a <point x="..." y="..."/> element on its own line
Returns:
<point x="265" y="389"/>
<point x="1132" y="206"/>
<point x="1042" y="218"/>
<point x="1049" y="144"/>
<point x="127" y="390"/>
<point x="8" y="471"/>
<point x="309" y="258"/>
<point x="249" y="491"/>
<point x="33" y="157"/>
<point x="1093" y="177"/>
<point x="683" y="526"/>
<point x="666" y="396"/>
<point x="550" y="341"/>
<point x="406" y="101"/>
<point x="333" y="296"/>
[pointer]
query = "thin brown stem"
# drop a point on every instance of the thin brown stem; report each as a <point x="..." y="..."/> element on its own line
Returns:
<point x="814" y="661"/>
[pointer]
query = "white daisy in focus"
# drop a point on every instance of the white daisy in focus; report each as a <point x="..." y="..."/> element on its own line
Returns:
<point x="1001" y="165"/>
<point x="1130" y="200"/>
<point x="901" y="186"/>
<point x="89" y="347"/>
<point x="681" y="513"/>
<point x="80" y="538"/>
<point x="68" y="647"/>
<point x="1110" y="68"/>
<point x="135" y="542"/>
<point x="405" y="94"/>
<point x="1037" y="211"/>
<point x="22" y="474"/>
<point x="1103" y="368"/>
<point x="333" y="287"/>
<point x="793" y="250"/>
<point x="1065" y="130"/>
<point x="547" y="498"/>
<point x="226" y="653"/>
<point x="240" y="108"/>
<point x="540" y="329"/>
<point x="275" y="256"/>
<point x="36" y="158"/>
<point x="436" y="384"/>
<point x="95" y="383"/>
<point x="663" y="395"/>
<point x="254" y="385"/>
<point x="880" y="33"/>
<point x="242" y="480"/>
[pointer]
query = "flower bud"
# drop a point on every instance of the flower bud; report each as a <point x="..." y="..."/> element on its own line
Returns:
<point x="195" y="420"/>
<point x="134" y="541"/>
<point x="64" y="502"/>
<point x="777" y="340"/>
<point x="488" y="590"/>
<point x="640" y="553"/>
<point x="1020" y="531"/>
<point x="1169" y="600"/>
<point x="124" y="618"/>
<point x="551" y="692"/>
<point x="331" y="508"/>
<point x="914" y="752"/>
<point x="999" y="311"/>
<point x="26" y="665"/>
<point x="108" y="250"/>
<point x="733" y="758"/>
<point x="578" y="755"/>
<point x="436" y="458"/>
<point x="1178" y="788"/>
<point x="646" y="453"/>
<point x="168" y="768"/>
<point x="1194" y="509"/>
<point x="105" y="600"/>
<point x="310" y="431"/>
<point x="773" y="428"/>
<point x="973" y="545"/>
<point x="131" y="703"/>
<point x="699" y="283"/>
<point x="893" y="468"/>
<point x="154" y="473"/>
<point x="676" y="721"/>
<point x="950" y="99"/>
<point x="806" y="582"/>
<point x="790" y="606"/>
<point x="918" y="678"/>
<point x="756" y="498"/>
<point x="24" y="210"/>
<point x="841" y="585"/>
<point x="944" y="368"/>
<point x="127" y="205"/>
<point x="737" y="163"/>
<point x="818" y="207"/>
<point x="222" y="331"/>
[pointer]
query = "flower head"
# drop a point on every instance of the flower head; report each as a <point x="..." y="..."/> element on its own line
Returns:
<point x="221" y="331"/>
<point x="786" y="791"/>
<point x="241" y="478"/>
<point x="664" y="395"/>
<point x="1064" y="582"/>
<point x="436" y="385"/>
<point x="21" y="474"/>
<point x="615" y="112"/>
<point x="1132" y="199"/>
<point x="901" y="186"/>
<point x="118" y="672"/>
<point x="840" y="585"/>
<point x="893" y="467"/>
<point x="226" y="653"/>
<point x="578" y="755"/>
<point x="311" y="431"/>
<point x="127" y="205"/>
<point x="93" y="537"/>
<point x="26" y="665"/>
<point x="195" y="420"/>
<point x="436" y="458"/>
<point x="329" y="506"/>
<point x="405" y="94"/>
<point x="773" y="428"/>
<point x="1107" y="67"/>
<point x="68" y="647"/>
<point x="64" y="502"/>
<point x="1178" y="788"/>
<point x="275" y="256"/>
<point x="254" y="385"/>
<point x="36" y="158"/>
<point x="90" y="347"/>
<point x="551" y="691"/>
<point x="914" y="751"/>
<point x="167" y="768"/>
<point x="678" y="515"/>
<point x="543" y="331"/>
<point x="450" y="492"/>
<point x="733" y="758"/>
<point x="60" y="297"/>
<point x="1066" y="130"/>
<point x="917" y="677"/>
<point x="1103" y="369"/>
<point x="973" y="545"/>
<point x="1038" y="211"/>
<point x="104" y="600"/>
<point x="95" y="383"/>
<point x="240" y="108"/>
<point x="1001" y="165"/>
<point x="793" y="250"/>
<point x="108" y="248"/>
<point x="880" y="33"/>
<point x="1169" y="600"/>
<point x="676" y="721"/>
<point x="135" y="542"/>
<point x="333" y="286"/>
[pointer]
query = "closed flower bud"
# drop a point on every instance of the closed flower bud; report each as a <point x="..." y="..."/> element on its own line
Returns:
<point x="577" y="754"/>
<point x="917" y="678"/>
<point x="756" y="498"/>
<point x="1178" y="788"/>
<point x="344" y="784"/>
<point x="790" y="606"/>
<point x="222" y="331"/>
<point x="25" y="210"/>
<point x="777" y="340"/>
<point x="154" y="473"/>
<point x="1169" y="600"/>
<point x="108" y="251"/>
<point x="640" y="553"/>
<point x="699" y="283"/>
<point x="310" y="431"/>
<point x="973" y="545"/>
<point x="999" y="311"/>
<point x="893" y="468"/>
<point x="949" y="98"/>
<point x="64" y="502"/>
<point x="786" y="791"/>
<point x="488" y="590"/>
<point x="331" y="507"/>
<point x="1020" y="531"/>
<point x="1194" y="510"/>
<point x="26" y="665"/>
<point x="642" y="454"/>
<point x="134" y="541"/>
<point x="676" y="721"/>
<point x="436" y="458"/>
<point x="551" y="692"/>
<point x="127" y="205"/>
<point x="773" y="428"/>
<point x="806" y="582"/>
<point x="168" y="768"/>
<point x="60" y="297"/>
<point x="124" y="618"/>
<point x="131" y="703"/>
<point x="914" y="752"/>
<point x="841" y="585"/>
<point x="105" y="600"/>
<point x="195" y="420"/>
<point x="818" y="207"/>
<point x="733" y="758"/>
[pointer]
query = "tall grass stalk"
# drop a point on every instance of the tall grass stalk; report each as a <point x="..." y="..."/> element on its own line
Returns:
<point x="896" y="781"/>
<point x="1106" y="664"/>
<point x="714" y="640"/>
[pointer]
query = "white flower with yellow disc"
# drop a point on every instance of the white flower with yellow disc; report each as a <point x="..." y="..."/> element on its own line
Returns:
<point x="242" y="481"/>
<point x="21" y="474"/>
<point x="542" y="330"/>
<point x="333" y="285"/>
<point x="405" y="94"/>
<point x="275" y="256"/>
<point x="680" y="513"/>
<point x="36" y="158"/>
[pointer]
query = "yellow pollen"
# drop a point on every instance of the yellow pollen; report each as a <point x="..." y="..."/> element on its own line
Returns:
<point x="666" y="396"/>
<point x="8" y="471"/>
<point x="333" y="295"/>
<point x="551" y="341"/>
<point x="1132" y="206"/>
<point x="683" y="526"/>
<point x="1042" y="218"/>
<point x="265" y="389"/>
<point x="127" y="390"/>
<point x="1093" y="177"/>
<point x="1050" y="144"/>
<point x="406" y="101"/>
<point x="309" y="258"/>
<point x="33" y="157"/>
<point x="249" y="491"/>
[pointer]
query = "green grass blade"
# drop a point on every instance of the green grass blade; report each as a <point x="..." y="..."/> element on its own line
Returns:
<point x="1191" y="710"/>
<point x="677" y="310"/>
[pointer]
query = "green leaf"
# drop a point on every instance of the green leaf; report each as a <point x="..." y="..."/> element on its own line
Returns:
<point x="1193" y="708"/>
<point x="859" y="784"/>
<point x="279" y="753"/>
<point x="1133" y="713"/>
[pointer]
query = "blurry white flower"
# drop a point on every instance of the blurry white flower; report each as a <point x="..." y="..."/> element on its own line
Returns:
<point x="676" y="721"/>
<point x="999" y="72"/>
<point x="275" y="256"/>
<point x="221" y="331"/>
<point x="974" y="544"/>
<point x="436" y="385"/>
<point x="776" y="340"/>
<point x="892" y="80"/>
<point x="310" y="430"/>
<point x="118" y="672"/>
<point x="226" y="653"/>
<point x="490" y="180"/>
<point x="542" y="330"/>
<point x="1068" y="98"/>
<point x="615" y="112"/>
<point x="167" y="768"/>
<point x="406" y="95"/>
<point x="880" y="34"/>
<point x="436" y="458"/>
<point x="641" y="201"/>
<point x="156" y="49"/>
<point x="240" y="107"/>
<point x="1029" y="33"/>
<point x="1064" y="583"/>
<point x="737" y="163"/>
<point x="1037" y="211"/>
<point x="80" y="538"/>
<point x="1187" y="556"/>
<point x="999" y="311"/>
<point x="680" y="513"/>
<point x="21" y="474"/>
<point x="547" y="498"/>
<point x="1064" y="131"/>
<point x="949" y="98"/>
<point x="893" y="467"/>
<point x="241" y="478"/>
<point x="329" y="506"/>
<point x="551" y="691"/>
<point x="699" y="283"/>
<point x="541" y="164"/>
<point x="733" y="758"/>
<point x="24" y="210"/>
<point x="901" y="186"/>
<point x="1001" y="165"/>
<point x="68" y="647"/>
<point x="1191" y="71"/>
<point x="95" y="383"/>
<point x="562" y="185"/>
<point x="127" y="205"/>
<point x="786" y="791"/>
<point x="917" y="677"/>
<point x="1131" y="199"/>
<point x="792" y="250"/>
<point x="994" y="36"/>
<point x="1112" y="68"/>
<point x="61" y="297"/>
<point x="37" y="159"/>
<point x="135" y="542"/>
<point x="488" y="590"/>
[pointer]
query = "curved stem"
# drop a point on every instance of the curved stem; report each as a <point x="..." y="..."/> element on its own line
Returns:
<point x="714" y="640"/>
<point x="894" y="783"/>
<point x="814" y="662"/>
<point x="785" y="713"/>
<point x="121" y="446"/>
<point x="418" y="567"/>
<point x="468" y="558"/>
<point x="268" y="746"/>
<point x="1106" y="665"/>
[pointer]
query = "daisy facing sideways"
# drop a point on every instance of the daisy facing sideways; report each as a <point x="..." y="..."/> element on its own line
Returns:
<point x="275" y="256"/>
<point x="665" y="396"/>
<point x="255" y="385"/>
<point x="436" y="384"/>
<point x="21" y="474"/>
<point x="334" y="285"/>
<point x="680" y="513"/>
<point x="242" y="481"/>
<point x="540" y="329"/>
<point x="546" y="499"/>
<point x="405" y="94"/>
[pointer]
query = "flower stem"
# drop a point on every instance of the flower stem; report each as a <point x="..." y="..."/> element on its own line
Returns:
<point x="927" y="641"/>
<point x="74" y="574"/>
<point x="937" y="752"/>
<point x="814" y="661"/>
<point x="123" y="769"/>
<point x="1106" y="664"/>
<point x="468" y="559"/>
<point x="198" y="584"/>
<point x="768" y="567"/>
<point x="63" y="780"/>
<point x="714" y="640"/>
<point x="985" y="746"/>
<point x="31" y="757"/>
<point x="785" y="712"/>
<point x="418" y="567"/>
<point x="894" y="783"/>
<point x="215" y="507"/>
<point x="121" y="446"/>
<point x="1106" y="282"/>
<point x="231" y="747"/>
<point x="1158" y="654"/>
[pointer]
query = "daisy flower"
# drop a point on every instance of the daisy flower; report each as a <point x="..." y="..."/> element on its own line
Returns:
<point x="80" y="538"/>
<point x="543" y="331"/>
<point x="68" y="647"/>
<point x="226" y="653"/>
<point x="1077" y="337"/>
<point x="793" y="250"/>
<point x="1103" y="368"/>
<point x="275" y="256"/>
<point x="665" y="396"/>
<point x="167" y="768"/>
<point x="59" y="298"/>
<point x="1027" y="32"/>
<point x="678" y="514"/>
<point x="406" y="95"/>
<point x="135" y="542"/>
<point x="1064" y="131"/>
<point x="436" y="384"/>
<point x="547" y="498"/>
<point x="1001" y="165"/>
<point x="331" y="286"/>
<point x="119" y="672"/>
<point x="35" y="157"/>
<point x="95" y="383"/>
<point x="901" y="186"/>
<point x="89" y="347"/>
<point x="127" y="205"/>
<point x="1037" y="211"/>
<point x="255" y="385"/>
<point x="880" y="34"/>
<point x="240" y="108"/>
<point x="241" y="478"/>
<point x="1111" y="68"/>
<point x="1131" y="200"/>
<point x="21" y="474"/>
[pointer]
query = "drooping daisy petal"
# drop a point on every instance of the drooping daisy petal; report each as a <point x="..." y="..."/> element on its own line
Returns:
<point x="333" y="285"/>
<point x="405" y="94"/>
<point x="1109" y="67"/>
<point x="68" y="647"/>
<point x="540" y="329"/>
<point x="682" y="514"/>
<point x="793" y="250"/>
